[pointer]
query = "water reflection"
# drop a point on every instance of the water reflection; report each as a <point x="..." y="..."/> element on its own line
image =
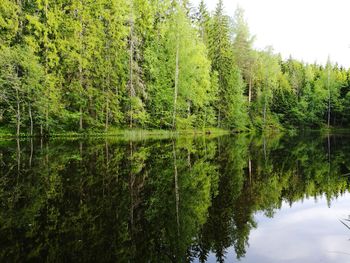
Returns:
<point x="171" y="200"/>
<point x="307" y="231"/>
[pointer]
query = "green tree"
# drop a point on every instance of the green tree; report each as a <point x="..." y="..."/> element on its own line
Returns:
<point x="9" y="22"/>
<point x="232" y="108"/>
<point x="181" y="88"/>
<point x="244" y="54"/>
<point x="21" y="82"/>
<point x="268" y="75"/>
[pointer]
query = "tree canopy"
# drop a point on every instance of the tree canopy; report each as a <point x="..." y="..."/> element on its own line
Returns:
<point x="153" y="64"/>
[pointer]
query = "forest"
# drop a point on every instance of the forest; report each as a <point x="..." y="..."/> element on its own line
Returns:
<point x="97" y="65"/>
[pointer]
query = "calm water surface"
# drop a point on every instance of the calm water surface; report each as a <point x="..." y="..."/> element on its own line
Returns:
<point x="225" y="199"/>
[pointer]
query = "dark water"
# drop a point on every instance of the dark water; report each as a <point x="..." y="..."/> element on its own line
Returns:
<point x="203" y="199"/>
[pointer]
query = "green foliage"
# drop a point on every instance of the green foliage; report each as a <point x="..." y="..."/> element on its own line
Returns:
<point x="21" y="82"/>
<point x="151" y="64"/>
<point x="231" y="108"/>
<point x="8" y="21"/>
<point x="195" y="92"/>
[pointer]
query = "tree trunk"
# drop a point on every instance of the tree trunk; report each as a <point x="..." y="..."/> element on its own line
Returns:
<point x="177" y="197"/>
<point x="18" y="115"/>
<point x="108" y="86"/>
<point x="265" y="151"/>
<point x="250" y="91"/>
<point x="329" y="155"/>
<point x="46" y="71"/>
<point x="81" y="77"/>
<point x="329" y="148"/>
<point x="31" y="119"/>
<point x="219" y="106"/>
<point x="107" y="113"/>
<point x="131" y="62"/>
<point x="188" y="109"/>
<point x="265" y="98"/>
<point x="176" y="83"/>
<point x="80" y="118"/>
<point x="131" y="189"/>
<point x="107" y="156"/>
<point x="18" y="156"/>
<point x="329" y="100"/>
<point x="250" y="170"/>
<point x="264" y="112"/>
<point x="31" y="153"/>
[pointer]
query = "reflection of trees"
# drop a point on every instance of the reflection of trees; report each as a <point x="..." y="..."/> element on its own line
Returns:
<point x="168" y="201"/>
<point x="270" y="172"/>
<point x="104" y="201"/>
<point x="219" y="236"/>
<point x="183" y="178"/>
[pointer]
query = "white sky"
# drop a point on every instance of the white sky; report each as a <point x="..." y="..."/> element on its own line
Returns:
<point x="309" y="30"/>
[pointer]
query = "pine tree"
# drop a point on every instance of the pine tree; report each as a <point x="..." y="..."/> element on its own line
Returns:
<point x="203" y="20"/>
<point x="232" y="109"/>
<point x="111" y="72"/>
<point x="140" y="24"/>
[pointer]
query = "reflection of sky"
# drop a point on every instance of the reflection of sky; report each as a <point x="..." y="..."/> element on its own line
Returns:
<point x="309" y="231"/>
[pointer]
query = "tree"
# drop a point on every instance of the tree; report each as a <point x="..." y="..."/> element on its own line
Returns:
<point x="21" y="82"/>
<point x="269" y="71"/>
<point x="244" y="54"/>
<point x="180" y="73"/>
<point x="111" y="74"/>
<point x="140" y="20"/>
<point x="232" y="109"/>
<point x="160" y="64"/>
<point x="203" y="21"/>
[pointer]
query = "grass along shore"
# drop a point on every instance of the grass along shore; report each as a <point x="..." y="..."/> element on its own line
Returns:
<point x="125" y="133"/>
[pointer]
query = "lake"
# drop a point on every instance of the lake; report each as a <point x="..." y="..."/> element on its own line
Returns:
<point x="187" y="199"/>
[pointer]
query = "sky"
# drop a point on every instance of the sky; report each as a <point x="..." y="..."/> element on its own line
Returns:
<point x="308" y="30"/>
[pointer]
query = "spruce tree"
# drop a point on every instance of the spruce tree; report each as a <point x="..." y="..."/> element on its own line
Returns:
<point x="232" y="108"/>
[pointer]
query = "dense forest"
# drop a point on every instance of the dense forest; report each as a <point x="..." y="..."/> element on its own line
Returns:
<point x="153" y="64"/>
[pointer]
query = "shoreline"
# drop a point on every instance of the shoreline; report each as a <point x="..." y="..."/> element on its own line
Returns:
<point x="142" y="133"/>
<point x="125" y="133"/>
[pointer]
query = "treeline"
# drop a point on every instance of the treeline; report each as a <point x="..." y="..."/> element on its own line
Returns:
<point x="153" y="64"/>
